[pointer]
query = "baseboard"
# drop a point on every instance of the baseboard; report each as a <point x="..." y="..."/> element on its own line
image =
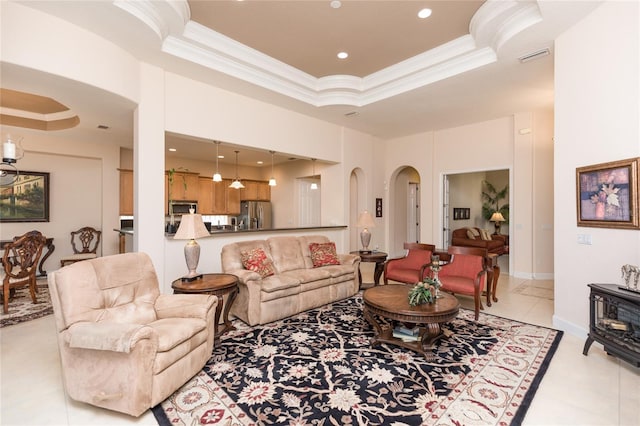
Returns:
<point x="569" y="327"/>
<point x="543" y="276"/>
<point x="534" y="276"/>
<point x="524" y="275"/>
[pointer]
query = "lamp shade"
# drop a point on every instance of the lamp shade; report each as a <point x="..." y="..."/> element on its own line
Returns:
<point x="365" y="220"/>
<point x="497" y="217"/>
<point x="191" y="227"/>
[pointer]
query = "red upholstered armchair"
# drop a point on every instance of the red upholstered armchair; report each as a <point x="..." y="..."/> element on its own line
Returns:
<point x="411" y="268"/>
<point x="466" y="274"/>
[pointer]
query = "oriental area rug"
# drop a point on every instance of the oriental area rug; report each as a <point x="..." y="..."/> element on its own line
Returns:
<point x="22" y="308"/>
<point x="318" y="368"/>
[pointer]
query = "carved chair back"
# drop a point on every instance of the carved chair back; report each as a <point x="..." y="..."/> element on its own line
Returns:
<point x="19" y="264"/>
<point x="85" y="240"/>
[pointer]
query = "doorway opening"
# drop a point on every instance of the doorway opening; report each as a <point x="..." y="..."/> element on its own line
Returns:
<point x="463" y="204"/>
<point x="404" y="206"/>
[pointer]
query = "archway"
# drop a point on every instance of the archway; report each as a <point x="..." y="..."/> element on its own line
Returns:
<point x="404" y="209"/>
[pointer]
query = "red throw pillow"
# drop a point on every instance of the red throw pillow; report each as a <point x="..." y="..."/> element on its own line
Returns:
<point x="323" y="254"/>
<point x="256" y="260"/>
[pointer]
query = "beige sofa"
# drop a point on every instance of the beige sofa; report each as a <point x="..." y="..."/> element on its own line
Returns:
<point x="123" y="345"/>
<point x="296" y="285"/>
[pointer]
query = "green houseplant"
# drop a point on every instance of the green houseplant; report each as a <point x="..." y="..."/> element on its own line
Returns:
<point x="491" y="198"/>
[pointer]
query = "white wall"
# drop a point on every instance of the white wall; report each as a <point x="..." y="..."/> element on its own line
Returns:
<point x="490" y="145"/>
<point x="597" y="119"/>
<point x="83" y="190"/>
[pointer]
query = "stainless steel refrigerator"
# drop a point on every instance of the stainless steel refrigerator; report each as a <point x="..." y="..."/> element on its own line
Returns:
<point x="255" y="215"/>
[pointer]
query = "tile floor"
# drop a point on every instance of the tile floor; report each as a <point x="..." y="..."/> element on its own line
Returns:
<point x="594" y="390"/>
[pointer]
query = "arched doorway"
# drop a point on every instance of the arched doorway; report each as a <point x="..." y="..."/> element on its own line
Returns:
<point x="404" y="209"/>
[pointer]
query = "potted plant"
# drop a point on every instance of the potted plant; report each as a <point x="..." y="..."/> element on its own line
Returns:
<point x="424" y="292"/>
<point x="491" y="198"/>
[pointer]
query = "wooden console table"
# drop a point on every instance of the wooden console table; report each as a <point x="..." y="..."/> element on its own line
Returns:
<point x="376" y="257"/>
<point x="216" y="285"/>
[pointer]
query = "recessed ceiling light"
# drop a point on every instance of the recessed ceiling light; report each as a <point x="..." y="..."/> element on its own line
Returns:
<point x="343" y="55"/>
<point x="336" y="4"/>
<point x="259" y="162"/>
<point x="220" y="156"/>
<point x="424" y="13"/>
<point x="172" y="150"/>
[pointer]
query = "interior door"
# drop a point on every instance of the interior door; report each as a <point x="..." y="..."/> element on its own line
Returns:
<point x="413" y="213"/>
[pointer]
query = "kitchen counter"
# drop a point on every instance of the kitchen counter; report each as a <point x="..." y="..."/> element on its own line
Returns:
<point x="226" y="232"/>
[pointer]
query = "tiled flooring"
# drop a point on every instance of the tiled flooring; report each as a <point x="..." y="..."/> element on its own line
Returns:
<point x="594" y="390"/>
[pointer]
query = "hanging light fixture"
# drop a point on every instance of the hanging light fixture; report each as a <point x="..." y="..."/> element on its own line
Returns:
<point x="216" y="176"/>
<point x="314" y="185"/>
<point x="11" y="152"/>
<point x="272" y="180"/>
<point x="236" y="184"/>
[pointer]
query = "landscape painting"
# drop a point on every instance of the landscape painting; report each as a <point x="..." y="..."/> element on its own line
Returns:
<point x="26" y="199"/>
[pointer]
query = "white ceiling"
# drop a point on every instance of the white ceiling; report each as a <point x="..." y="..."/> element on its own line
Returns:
<point x="396" y="81"/>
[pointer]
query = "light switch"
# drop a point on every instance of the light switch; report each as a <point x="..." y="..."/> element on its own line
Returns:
<point x="584" y="239"/>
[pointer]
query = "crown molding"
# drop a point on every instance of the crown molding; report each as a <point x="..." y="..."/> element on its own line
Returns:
<point x="495" y="23"/>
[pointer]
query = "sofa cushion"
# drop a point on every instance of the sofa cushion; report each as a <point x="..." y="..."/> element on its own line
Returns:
<point x="286" y="253"/>
<point x="470" y="235"/>
<point x="485" y="235"/>
<point x="256" y="260"/>
<point x="305" y="241"/>
<point x="323" y="254"/>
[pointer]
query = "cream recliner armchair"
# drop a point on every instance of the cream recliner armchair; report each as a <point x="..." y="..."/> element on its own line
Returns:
<point x="123" y="345"/>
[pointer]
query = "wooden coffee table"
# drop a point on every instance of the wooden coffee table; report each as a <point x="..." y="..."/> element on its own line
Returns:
<point x="217" y="285"/>
<point x="391" y="302"/>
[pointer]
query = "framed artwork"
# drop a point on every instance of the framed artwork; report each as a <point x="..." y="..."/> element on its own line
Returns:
<point x="378" y="207"/>
<point x="27" y="199"/>
<point x="607" y="194"/>
<point x="461" y="213"/>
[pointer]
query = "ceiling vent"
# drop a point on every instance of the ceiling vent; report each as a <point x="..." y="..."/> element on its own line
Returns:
<point x="534" y="55"/>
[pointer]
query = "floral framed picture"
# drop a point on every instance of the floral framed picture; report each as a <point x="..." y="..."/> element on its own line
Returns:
<point x="607" y="194"/>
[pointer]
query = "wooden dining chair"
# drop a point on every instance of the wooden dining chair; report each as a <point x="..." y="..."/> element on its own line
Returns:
<point x="84" y="242"/>
<point x="19" y="265"/>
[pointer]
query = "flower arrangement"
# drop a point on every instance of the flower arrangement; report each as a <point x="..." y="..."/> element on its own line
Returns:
<point x="424" y="292"/>
<point x="606" y="200"/>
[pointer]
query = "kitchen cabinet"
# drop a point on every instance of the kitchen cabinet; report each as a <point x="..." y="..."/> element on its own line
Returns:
<point x="126" y="192"/>
<point x="225" y="200"/>
<point x="255" y="191"/>
<point x="183" y="188"/>
<point x="205" y="195"/>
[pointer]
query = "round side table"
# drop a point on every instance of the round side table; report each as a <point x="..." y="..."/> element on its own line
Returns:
<point x="216" y="285"/>
<point x="376" y="257"/>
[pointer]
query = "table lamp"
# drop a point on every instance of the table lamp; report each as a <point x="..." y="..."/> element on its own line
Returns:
<point x="497" y="218"/>
<point x="191" y="227"/>
<point x="365" y="220"/>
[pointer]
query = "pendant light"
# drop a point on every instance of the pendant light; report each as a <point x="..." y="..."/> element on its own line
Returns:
<point x="314" y="185"/>
<point x="217" y="177"/>
<point x="236" y="184"/>
<point x="272" y="181"/>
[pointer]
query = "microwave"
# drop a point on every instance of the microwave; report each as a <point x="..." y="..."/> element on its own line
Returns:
<point x="177" y="208"/>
